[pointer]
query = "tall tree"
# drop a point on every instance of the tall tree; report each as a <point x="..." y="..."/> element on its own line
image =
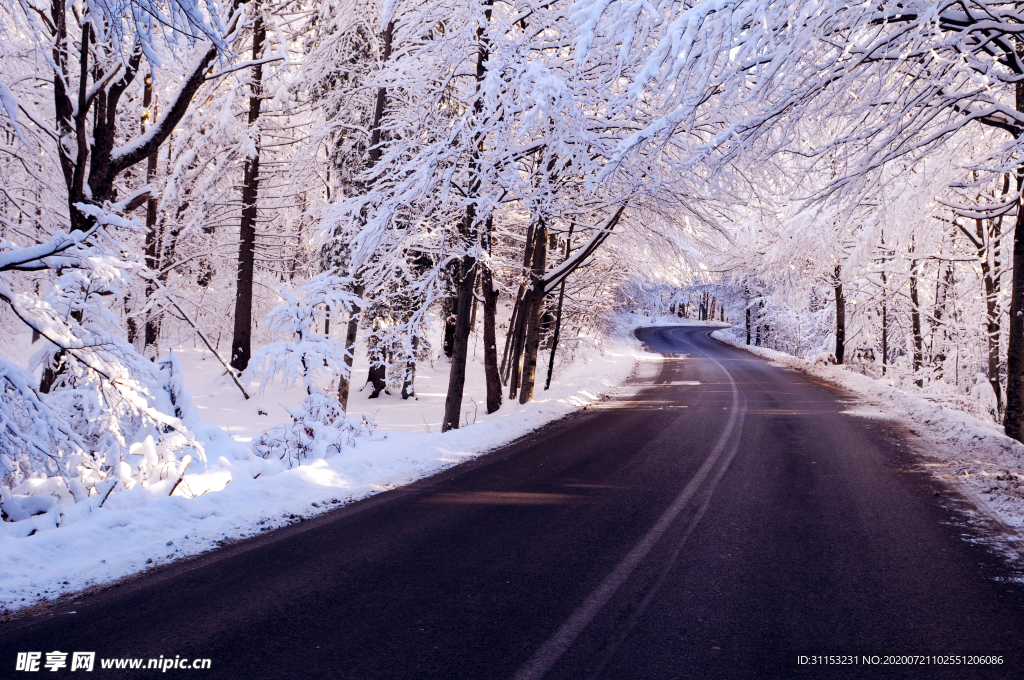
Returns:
<point x="241" y="340"/>
<point x="470" y="232"/>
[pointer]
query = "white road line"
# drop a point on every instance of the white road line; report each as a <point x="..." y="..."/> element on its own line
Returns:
<point x="552" y="650"/>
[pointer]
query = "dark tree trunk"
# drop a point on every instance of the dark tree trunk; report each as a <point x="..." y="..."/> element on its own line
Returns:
<point x="133" y="327"/>
<point x="885" y="310"/>
<point x="558" y="312"/>
<point x="510" y="336"/>
<point x="472" y="314"/>
<point x="554" y="339"/>
<point x="942" y="288"/>
<point x="1013" y="419"/>
<point x="517" y="327"/>
<point x="241" y="341"/>
<point x="351" y="329"/>
<point x="460" y="348"/>
<point x="467" y="273"/>
<point x="450" y="310"/>
<point x="152" y="237"/>
<point x="377" y="376"/>
<point x="408" y="383"/>
<point x="840" y="317"/>
<point x="519" y="343"/>
<point x="533" y="319"/>
<point x="382" y="95"/>
<point x="915" y="323"/>
<point x="885" y="326"/>
<point x="491" y="375"/>
<point x="49" y="377"/>
<point x="490" y="308"/>
<point x="987" y="243"/>
<point x="748" y="324"/>
<point x="757" y="338"/>
<point x="992" y="333"/>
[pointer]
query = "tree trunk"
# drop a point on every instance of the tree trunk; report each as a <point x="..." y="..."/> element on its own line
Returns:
<point x="133" y="327"/>
<point x="915" y="323"/>
<point x="1013" y="419"/>
<point x="467" y="273"/>
<point x="885" y="311"/>
<point x="449" y="309"/>
<point x="942" y="288"/>
<point x="748" y="324"/>
<point x="408" y="383"/>
<point x="352" y="328"/>
<point x="460" y="348"/>
<point x="840" y="317"/>
<point x="554" y="340"/>
<point x="472" y="314"/>
<point x="518" y="336"/>
<point x="490" y="308"/>
<point x="49" y="376"/>
<point x="885" y="327"/>
<point x="533" y="328"/>
<point x="152" y="237"/>
<point x="519" y="342"/>
<point x="378" y="374"/>
<point x="491" y="375"/>
<point x="241" y="341"/>
<point x="677" y="309"/>
<point x="517" y="327"/>
<point x="503" y="371"/>
<point x="757" y="339"/>
<point x="988" y="255"/>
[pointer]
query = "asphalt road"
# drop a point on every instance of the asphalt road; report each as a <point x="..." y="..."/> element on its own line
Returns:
<point x="711" y="524"/>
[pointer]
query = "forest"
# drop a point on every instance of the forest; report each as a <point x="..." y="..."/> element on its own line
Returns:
<point x="284" y="183"/>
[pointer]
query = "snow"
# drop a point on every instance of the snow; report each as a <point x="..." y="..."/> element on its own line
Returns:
<point x="75" y="546"/>
<point x="973" y="456"/>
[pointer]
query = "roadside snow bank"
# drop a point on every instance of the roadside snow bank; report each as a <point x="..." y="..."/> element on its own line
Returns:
<point x="239" y="494"/>
<point x="976" y="456"/>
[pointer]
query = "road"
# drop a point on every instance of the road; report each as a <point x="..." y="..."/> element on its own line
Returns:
<point x="711" y="523"/>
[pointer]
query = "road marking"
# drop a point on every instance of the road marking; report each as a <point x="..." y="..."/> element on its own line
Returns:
<point x="552" y="650"/>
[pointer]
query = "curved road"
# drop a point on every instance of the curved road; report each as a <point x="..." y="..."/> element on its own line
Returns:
<point x="711" y="524"/>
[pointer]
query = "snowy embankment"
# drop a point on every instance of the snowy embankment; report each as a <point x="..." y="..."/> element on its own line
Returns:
<point x="975" y="456"/>
<point x="236" y="494"/>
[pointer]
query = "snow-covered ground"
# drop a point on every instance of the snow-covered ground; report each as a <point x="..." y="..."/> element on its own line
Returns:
<point x="973" y="455"/>
<point x="239" y="494"/>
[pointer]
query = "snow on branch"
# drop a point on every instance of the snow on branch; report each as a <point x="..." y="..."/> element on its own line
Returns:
<point x="554" y="277"/>
<point x="304" y="353"/>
